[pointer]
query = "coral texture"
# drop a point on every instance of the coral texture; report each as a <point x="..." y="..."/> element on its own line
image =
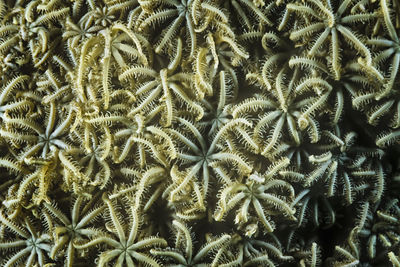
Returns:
<point x="200" y="133"/>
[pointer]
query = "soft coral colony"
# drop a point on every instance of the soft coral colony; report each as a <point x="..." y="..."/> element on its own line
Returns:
<point x="199" y="133"/>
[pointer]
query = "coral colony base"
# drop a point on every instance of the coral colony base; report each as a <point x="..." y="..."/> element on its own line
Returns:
<point x="200" y="133"/>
